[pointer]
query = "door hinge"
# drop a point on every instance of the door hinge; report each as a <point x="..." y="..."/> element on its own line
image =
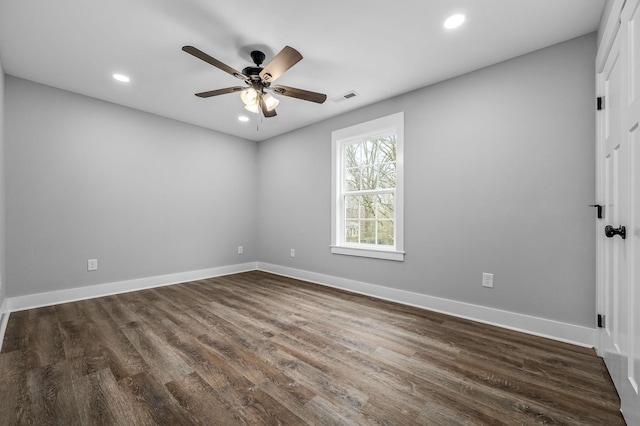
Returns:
<point x="600" y="103"/>
<point x="600" y="321"/>
<point x="599" y="211"/>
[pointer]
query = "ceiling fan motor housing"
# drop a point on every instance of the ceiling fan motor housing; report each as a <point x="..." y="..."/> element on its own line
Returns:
<point x="252" y="72"/>
<point x="257" y="57"/>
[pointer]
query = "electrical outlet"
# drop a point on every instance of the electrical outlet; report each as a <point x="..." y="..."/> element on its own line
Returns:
<point x="293" y="252"/>
<point x="92" y="265"/>
<point x="240" y="249"/>
<point x="487" y="280"/>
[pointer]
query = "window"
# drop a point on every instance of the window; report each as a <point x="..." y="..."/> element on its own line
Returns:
<point x="367" y="189"/>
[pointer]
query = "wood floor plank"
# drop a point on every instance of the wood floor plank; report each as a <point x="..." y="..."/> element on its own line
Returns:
<point x="165" y="363"/>
<point x="223" y="371"/>
<point x="154" y="404"/>
<point x="52" y="396"/>
<point x="45" y="342"/>
<point x="18" y="330"/>
<point x="255" y="348"/>
<point x="537" y="392"/>
<point x="105" y="345"/>
<point x="100" y="400"/>
<point x="439" y="388"/>
<point x="117" y="310"/>
<point x="289" y="397"/>
<point x="330" y="414"/>
<point x="203" y="403"/>
<point x="373" y="379"/>
<point x="15" y="403"/>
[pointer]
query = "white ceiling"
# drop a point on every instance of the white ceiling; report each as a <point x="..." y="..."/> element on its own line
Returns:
<point x="378" y="48"/>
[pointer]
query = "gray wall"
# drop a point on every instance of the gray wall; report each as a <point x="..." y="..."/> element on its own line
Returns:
<point x="3" y="275"/>
<point x="143" y="194"/>
<point x="499" y="171"/>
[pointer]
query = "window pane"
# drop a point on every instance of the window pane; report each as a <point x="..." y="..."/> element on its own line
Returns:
<point x="353" y="155"/>
<point x="370" y="148"/>
<point x="387" y="162"/>
<point x="369" y="219"/>
<point x="387" y="147"/>
<point x="350" y="151"/>
<point x="352" y="179"/>
<point x="351" y="168"/>
<point x="352" y="206"/>
<point x="352" y="231"/>
<point x="368" y="231"/>
<point x="369" y="178"/>
<point x="385" y="232"/>
<point x="368" y="209"/>
<point x="385" y="206"/>
<point x="386" y="175"/>
<point x="370" y="164"/>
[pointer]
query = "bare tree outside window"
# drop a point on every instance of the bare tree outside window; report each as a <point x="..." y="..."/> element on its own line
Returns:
<point x="369" y="191"/>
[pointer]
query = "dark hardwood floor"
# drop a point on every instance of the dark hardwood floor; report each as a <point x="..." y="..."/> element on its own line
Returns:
<point x="256" y="348"/>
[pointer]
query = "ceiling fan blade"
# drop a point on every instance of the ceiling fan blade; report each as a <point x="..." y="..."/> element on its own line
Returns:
<point x="284" y="60"/>
<point x="213" y="61"/>
<point x="265" y="111"/>
<point x="305" y="95"/>
<point x="220" y="92"/>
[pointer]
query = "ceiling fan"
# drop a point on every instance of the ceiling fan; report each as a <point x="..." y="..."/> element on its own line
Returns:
<point x="256" y="97"/>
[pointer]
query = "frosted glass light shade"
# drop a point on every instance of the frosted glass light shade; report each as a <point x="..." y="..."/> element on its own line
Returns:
<point x="252" y="108"/>
<point x="270" y="102"/>
<point x="249" y="96"/>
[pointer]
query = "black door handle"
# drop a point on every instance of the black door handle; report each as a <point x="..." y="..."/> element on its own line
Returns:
<point x="610" y="231"/>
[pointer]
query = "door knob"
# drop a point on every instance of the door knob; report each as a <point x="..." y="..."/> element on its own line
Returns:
<point x="610" y="231"/>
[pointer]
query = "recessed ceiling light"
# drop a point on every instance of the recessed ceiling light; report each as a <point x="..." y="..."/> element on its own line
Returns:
<point x="122" y="78"/>
<point x="243" y="118"/>
<point x="454" y="21"/>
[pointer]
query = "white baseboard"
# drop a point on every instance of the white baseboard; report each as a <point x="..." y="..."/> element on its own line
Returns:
<point x="4" y="319"/>
<point x="574" y="334"/>
<point x="39" y="300"/>
<point x="564" y="332"/>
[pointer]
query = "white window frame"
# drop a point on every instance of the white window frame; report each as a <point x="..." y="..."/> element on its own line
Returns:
<point x="391" y="124"/>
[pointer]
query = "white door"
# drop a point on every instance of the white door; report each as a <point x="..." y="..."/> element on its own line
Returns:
<point x="612" y="177"/>
<point x="619" y="190"/>
<point x="630" y="296"/>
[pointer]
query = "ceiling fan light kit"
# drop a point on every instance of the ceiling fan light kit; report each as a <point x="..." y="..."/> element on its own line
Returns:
<point x="251" y="100"/>
<point x="258" y="80"/>
<point x="270" y="101"/>
<point x="249" y="97"/>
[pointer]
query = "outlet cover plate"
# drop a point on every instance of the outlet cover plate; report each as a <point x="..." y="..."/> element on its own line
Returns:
<point x="92" y="265"/>
<point x="487" y="280"/>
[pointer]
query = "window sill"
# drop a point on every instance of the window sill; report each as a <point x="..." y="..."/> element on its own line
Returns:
<point x="398" y="256"/>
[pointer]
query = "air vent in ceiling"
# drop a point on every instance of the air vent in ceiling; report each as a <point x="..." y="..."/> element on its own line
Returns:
<point x="345" y="96"/>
